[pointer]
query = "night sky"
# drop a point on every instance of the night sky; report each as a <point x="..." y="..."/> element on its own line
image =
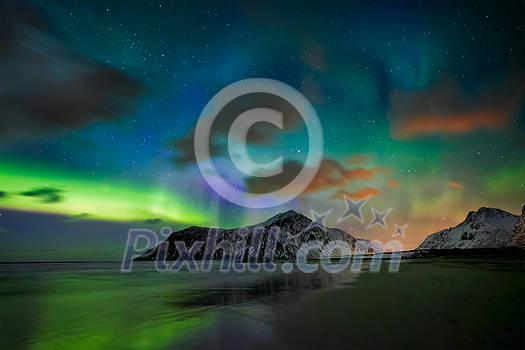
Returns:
<point x="421" y="105"/>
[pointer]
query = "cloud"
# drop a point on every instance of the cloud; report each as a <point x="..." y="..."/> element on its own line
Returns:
<point x="453" y="123"/>
<point x="361" y="194"/>
<point x="258" y="134"/>
<point x="359" y="158"/>
<point x="185" y="148"/>
<point x="46" y="194"/>
<point x="315" y="55"/>
<point x="79" y="217"/>
<point x="444" y="108"/>
<point x="392" y="183"/>
<point x="257" y="185"/>
<point x="332" y="175"/>
<point x="312" y="90"/>
<point x="47" y="87"/>
<point x="153" y="221"/>
<point x="455" y="185"/>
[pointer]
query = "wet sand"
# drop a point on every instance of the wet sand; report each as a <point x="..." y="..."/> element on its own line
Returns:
<point x="438" y="303"/>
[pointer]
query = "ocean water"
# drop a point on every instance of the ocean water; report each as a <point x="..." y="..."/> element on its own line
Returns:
<point x="429" y="303"/>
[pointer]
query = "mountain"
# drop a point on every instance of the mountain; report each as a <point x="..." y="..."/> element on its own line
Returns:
<point x="291" y="236"/>
<point x="518" y="236"/>
<point x="486" y="228"/>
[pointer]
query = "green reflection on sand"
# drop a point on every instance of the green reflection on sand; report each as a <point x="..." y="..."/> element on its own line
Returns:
<point x="94" y="310"/>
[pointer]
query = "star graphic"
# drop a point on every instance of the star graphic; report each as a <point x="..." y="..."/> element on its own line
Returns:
<point x="293" y="239"/>
<point x="318" y="220"/>
<point x="379" y="218"/>
<point x="399" y="231"/>
<point x="353" y="208"/>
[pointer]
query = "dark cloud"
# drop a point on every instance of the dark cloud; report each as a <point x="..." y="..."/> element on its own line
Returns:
<point x="186" y="149"/>
<point x="46" y="194"/>
<point x="315" y="55"/>
<point x="258" y="134"/>
<point x="153" y="221"/>
<point x="313" y="90"/>
<point x="306" y="36"/>
<point x="47" y="87"/>
<point x="82" y="216"/>
<point x="273" y="183"/>
<point x="444" y="107"/>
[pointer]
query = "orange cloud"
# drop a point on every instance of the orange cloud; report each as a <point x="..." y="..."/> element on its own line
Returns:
<point x="455" y="185"/>
<point x="358" y="159"/>
<point x="332" y="175"/>
<point x="459" y="122"/>
<point x="361" y="194"/>
<point x="445" y="108"/>
<point x="392" y="183"/>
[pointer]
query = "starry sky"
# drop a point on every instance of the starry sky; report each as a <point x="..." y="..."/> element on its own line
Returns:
<point x="421" y="106"/>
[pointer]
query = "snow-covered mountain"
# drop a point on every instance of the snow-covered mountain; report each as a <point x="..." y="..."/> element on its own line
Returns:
<point x="293" y="232"/>
<point x="518" y="236"/>
<point x="486" y="228"/>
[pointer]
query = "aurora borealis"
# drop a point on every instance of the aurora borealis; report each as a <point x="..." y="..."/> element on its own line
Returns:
<point x="421" y="105"/>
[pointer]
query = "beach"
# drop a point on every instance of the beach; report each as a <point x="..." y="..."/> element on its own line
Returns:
<point x="438" y="302"/>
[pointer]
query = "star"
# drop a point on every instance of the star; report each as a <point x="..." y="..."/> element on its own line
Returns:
<point x="318" y="220"/>
<point x="353" y="208"/>
<point x="399" y="231"/>
<point x="293" y="239"/>
<point x="379" y="218"/>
